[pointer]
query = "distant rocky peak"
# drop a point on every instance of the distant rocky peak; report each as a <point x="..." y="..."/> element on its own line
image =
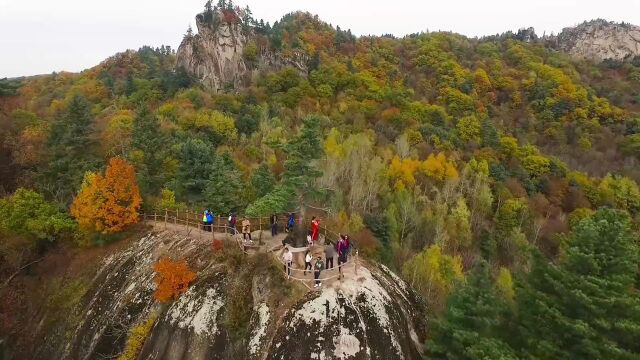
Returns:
<point x="216" y="18"/>
<point x="599" y="40"/>
<point x="215" y="54"/>
<point x="224" y="55"/>
<point x="527" y="34"/>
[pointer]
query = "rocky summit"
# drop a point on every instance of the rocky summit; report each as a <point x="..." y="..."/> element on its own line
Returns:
<point x="600" y="40"/>
<point x="224" y="55"/>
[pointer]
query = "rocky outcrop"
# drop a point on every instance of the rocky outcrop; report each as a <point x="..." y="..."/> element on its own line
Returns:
<point x="373" y="315"/>
<point x="216" y="54"/>
<point x="599" y="40"/>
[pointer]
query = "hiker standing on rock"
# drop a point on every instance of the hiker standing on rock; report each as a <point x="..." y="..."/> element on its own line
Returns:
<point x="291" y="222"/>
<point x="315" y="227"/>
<point x="207" y="220"/>
<point x="274" y="225"/>
<point x="317" y="270"/>
<point x="307" y="261"/>
<point x="246" y="229"/>
<point x="342" y="255"/>
<point x="347" y="247"/>
<point x="329" y="253"/>
<point x="232" y="224"/>
<point x="287" y="258"/>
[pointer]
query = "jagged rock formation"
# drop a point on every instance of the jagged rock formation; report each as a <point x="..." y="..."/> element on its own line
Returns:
<point x="215" y="55"/>
<point x="599" y="40"/>
<point x="372" y="316"/>
<point x="526" y="34"/>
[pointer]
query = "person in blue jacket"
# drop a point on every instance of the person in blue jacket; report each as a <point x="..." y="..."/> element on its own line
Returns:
<point x="291" y="221"/>
<point x="210" y="218"/>
<point x="207" y="220"/>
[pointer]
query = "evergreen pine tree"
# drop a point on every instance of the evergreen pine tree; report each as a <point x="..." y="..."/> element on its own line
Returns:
<point x="71" y="151"/>
<point x="587" y="306"/>
<point x="196" y="160"/>
<point x="298" y="181"/>
<point x="129" y="86"/>
<point x="262" y="180"/>
<point x="473" y="324"/>
<point x="489" y="134"/>
<point x="147" y="138"/>
<point x="224" y="189"/>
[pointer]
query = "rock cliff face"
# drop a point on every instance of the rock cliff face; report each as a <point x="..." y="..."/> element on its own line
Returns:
<point x="372" y="316"/>
<point x="599" y="40"/>
<point x="215" y="55"/>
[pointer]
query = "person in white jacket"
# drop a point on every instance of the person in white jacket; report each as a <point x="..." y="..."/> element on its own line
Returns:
<point x="287" y="258"/>
<point x="307" y="261"/>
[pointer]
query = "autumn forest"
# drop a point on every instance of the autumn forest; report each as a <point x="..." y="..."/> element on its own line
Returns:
<point x="497" y="176"/>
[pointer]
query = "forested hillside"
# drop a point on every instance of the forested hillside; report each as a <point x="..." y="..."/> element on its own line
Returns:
<point x="498" y="176"/>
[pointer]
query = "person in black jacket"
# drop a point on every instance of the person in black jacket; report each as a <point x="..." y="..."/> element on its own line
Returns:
<point x="274" y="225"/>
<point x="317" y="269"/>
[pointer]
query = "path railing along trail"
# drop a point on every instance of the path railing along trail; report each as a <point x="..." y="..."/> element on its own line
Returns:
<point x="190" y="223"/>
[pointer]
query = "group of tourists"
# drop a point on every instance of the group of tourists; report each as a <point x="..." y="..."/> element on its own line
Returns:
<point x="208" y="218"/>
<point x="341" y="249"/>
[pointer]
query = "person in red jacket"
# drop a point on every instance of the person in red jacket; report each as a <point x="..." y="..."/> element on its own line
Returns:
<point x="315" y="228"/>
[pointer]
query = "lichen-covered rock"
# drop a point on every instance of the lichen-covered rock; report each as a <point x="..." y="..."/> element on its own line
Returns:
<point x="599" y="40"/>
<point x="373" y="315"/>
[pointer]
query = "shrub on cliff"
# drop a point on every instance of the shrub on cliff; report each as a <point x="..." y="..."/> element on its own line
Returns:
<point x="172" y="279"/>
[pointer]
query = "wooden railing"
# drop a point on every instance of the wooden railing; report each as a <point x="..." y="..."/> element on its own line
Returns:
<point x="194" y="218"/>
<point x="191" y="220"/>
<point x="172" y="217"/>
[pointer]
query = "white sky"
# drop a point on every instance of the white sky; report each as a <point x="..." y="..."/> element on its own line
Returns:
<point x="43" y="36"/>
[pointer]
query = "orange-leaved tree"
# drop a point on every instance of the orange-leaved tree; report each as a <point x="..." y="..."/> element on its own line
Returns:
<point x="108" y="203"/>
<point x="172" y="279"/>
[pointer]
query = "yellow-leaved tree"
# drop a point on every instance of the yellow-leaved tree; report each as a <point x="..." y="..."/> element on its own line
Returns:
<point x="402" y="171"/>
<point x="439" y="167"/>
<point x="434" y="274"/>
<point x="109" y="203"/>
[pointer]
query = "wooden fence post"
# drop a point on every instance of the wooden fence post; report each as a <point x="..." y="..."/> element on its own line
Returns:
<point x="175" y="219"/>
<point x="166" y="217"/>
<point x="356" y="262"/>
